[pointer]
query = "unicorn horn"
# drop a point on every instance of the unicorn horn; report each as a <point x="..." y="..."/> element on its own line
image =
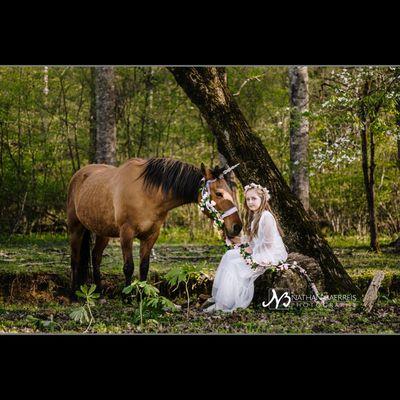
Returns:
<point x="229" y="169"/>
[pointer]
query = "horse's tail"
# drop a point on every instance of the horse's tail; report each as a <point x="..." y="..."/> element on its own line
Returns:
<point x="84" y="264"/>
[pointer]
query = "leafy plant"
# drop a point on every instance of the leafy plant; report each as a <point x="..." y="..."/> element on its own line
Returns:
<point x="149" y="299"/>
<point x="184" y="274"/>
<point x="84" y="313"/>
<point x="41" y="324"/>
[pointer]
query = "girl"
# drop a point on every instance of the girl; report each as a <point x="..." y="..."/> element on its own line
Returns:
<point x="234" y="280"/>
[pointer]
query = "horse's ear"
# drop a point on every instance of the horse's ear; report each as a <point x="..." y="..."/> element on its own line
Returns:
<point x="206" y="172"/>
<point x="203" y="169"/>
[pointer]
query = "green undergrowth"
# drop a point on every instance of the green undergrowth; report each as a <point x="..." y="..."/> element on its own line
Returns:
<point x="34" y="277"/>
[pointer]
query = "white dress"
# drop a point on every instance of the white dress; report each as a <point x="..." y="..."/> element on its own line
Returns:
<point x="233" y="285"/>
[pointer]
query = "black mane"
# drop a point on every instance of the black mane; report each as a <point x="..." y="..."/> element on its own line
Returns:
<point x="173" y="175"/>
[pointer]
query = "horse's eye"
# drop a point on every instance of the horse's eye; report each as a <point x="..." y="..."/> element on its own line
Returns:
<point x="219" y="194"/>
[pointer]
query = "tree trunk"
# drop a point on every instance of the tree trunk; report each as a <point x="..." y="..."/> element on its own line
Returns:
<point x="105" y="116"/>
<point x="299" y="183"/>
<point x="238" y="144"/>
<point x="144" y="137"/>
<point x="368" y="172"/>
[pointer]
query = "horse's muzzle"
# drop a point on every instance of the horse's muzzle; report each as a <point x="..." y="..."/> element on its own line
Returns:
<point x="236" y="228"/>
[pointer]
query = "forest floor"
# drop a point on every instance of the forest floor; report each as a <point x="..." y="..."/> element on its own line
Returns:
<point x="34" y="277"/>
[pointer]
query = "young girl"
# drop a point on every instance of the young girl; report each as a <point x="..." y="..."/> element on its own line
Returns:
<point x="234" y="280"/>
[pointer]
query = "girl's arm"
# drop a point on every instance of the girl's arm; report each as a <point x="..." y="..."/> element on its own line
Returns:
<point x="265" y="238"/>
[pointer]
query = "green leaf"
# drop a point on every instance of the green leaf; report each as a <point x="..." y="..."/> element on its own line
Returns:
<point x="92" y="288"/>
<point x="150" y="290"/>
<point x="127" y="289"/>
<point x="84" y="289"/>
<point x="79" y="315"/>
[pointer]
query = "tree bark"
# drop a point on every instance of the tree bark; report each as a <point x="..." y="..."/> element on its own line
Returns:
<point x="239" y="144"/>
<point x="105" y="116"/>
<point x="145" y="118"/>
<point x="299" y="182"/>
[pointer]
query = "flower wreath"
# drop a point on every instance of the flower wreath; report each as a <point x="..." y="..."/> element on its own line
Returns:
<point x="258" y="187"/>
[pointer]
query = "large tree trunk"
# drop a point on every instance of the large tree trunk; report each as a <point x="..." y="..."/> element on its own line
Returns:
<point x="299" y="182"/>
<point x="238" y="144"/>
<point x="105" y="116"/>
<point x="368" y="171"/>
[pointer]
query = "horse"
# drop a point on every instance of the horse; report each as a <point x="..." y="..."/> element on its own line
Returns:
<point x="133" y="201"/>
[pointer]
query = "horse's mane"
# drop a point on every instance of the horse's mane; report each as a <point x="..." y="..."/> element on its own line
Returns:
<point x="172" y="175"/>
<point x="181" y="178"/>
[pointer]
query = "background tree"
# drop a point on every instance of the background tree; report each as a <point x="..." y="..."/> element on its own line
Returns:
<point x="105" y="116"/>
<point x="360" y="99"/>
<point x="91" y="81"/>
<point x="299" y="182"/>
<point x="44" y="137"/>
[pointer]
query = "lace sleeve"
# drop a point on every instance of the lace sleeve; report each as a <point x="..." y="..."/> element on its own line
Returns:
<point x="266" y="237"/>
<point x="267" y="229"/>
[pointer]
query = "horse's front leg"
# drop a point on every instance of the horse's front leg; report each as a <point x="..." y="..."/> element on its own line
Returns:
<point x="126" y="237"/>
<point x="145" y="248"/>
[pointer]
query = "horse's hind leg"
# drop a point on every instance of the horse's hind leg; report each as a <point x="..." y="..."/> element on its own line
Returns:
<point x="97" y="254"/>
<point x="126" y="237"/>
<point x="76" y="239"/>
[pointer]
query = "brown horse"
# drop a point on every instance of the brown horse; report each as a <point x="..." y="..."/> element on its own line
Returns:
<point x="132" y="201"/>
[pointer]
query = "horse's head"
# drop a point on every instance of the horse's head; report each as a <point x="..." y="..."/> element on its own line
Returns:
<point x="219" y="188"/>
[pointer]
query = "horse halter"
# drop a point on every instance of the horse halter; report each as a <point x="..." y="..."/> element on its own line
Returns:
<point x="206" y="189"/>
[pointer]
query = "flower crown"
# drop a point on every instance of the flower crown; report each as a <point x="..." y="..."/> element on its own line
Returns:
<point x="259" y="187"/>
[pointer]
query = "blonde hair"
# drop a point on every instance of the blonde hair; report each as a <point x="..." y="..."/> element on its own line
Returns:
<point x="249" y="215"/>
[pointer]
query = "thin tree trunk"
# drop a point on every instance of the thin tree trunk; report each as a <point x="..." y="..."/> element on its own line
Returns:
<point x="66" y="123"/>
<point x="236" y="141"/>
<point x="105" y="116"/>
<point x="368" y="171"/>
<point x="299" y="182"/>
<point x="371" y="195"/>
<point x="148" y="104"/>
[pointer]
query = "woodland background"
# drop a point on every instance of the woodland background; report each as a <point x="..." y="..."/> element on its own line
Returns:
<point x="46" y="120"/>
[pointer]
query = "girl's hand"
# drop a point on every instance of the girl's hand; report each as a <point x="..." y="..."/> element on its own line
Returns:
<point x="248" y="250"/>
